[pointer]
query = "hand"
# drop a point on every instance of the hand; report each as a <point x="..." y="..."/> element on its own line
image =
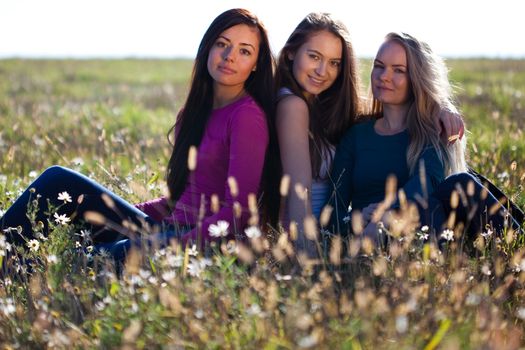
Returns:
<point x="367" y="213"/>
<point x="450" y="126"/>
<point x="370" y="232"/>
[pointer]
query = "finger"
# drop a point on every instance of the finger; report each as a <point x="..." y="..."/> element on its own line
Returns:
<point x="461" y="130"/>
<point x="447" y="126"/>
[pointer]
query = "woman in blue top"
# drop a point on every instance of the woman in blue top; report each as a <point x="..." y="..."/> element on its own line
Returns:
<point x="410" y="87"/>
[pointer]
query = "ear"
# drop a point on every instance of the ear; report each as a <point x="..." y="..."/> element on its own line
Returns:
<point x="254" y="68"/>
<point x="291" y="56"/>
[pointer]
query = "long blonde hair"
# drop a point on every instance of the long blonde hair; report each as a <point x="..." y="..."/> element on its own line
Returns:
<point x="431" y="93"/>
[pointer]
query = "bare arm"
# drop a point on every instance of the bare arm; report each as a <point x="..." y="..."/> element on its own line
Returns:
<point x="292" y="132"/>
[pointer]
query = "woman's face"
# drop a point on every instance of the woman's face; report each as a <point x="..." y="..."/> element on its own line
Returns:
<point x="389" y="78"/>
<point x="233" y="56"/>
<point x="316" y="64"/>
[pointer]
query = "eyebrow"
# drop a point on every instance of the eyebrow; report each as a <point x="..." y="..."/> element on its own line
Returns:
<point x="320" y="54"/>
<point x="242" y="44"/>
<point x="394" y="65"/>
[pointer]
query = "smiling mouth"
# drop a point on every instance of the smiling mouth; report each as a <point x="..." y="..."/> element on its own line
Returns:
<point x="316" y="81"/>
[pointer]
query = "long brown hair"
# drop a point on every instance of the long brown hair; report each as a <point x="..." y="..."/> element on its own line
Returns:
<point x="191" y="121"/>
<point x="334" y="110"/>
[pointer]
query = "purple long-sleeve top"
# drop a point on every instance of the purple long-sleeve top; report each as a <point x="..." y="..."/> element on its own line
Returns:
<point x="234" y="145"/>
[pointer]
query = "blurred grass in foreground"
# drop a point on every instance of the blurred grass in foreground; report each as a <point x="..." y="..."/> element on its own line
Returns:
<point x="109" y="120"/>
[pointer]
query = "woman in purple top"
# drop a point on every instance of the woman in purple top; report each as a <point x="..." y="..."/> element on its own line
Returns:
<point x="224" y="119"/>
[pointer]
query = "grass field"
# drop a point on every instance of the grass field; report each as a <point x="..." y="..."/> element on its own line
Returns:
<point x="109" y="119"/>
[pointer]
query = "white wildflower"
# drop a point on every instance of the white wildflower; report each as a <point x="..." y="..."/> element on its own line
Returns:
<point x="85" y="233"/>
<point x="33" y="245"/>
<point x="169" y="275"/>
<point x="7" y="306"/>
<point x="487" y="233"/>
<point x="520" y="313"/>
<point x="401" y="323"/>
<point x="280" y="277"/>
<point x="175" y="260"/>
<point x="77" y="161"/>
<point x="254" y="310"/>
<point x="4" y="246"/>
<point x="193" y="251"/>
<point x="65" y="197"/>
<point x="195" y="268"/>
<point x="253" y="232"/>
<point x="448" y="235"/>
<point x="199" y="314"/>
<point x="52" y="259"/>
<point x="220" y="229"/>
<point x="78" y="244"/>
<point x="32" y="174"/>
<point x="61" y="219"/>
<point x="308" y="341"/>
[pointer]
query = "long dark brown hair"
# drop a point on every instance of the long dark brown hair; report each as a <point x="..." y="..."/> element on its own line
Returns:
<point x="191" y="121"/>
<point x="334" y="110"/>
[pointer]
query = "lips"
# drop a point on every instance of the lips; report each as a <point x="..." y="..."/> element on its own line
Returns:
<point x="226" y="70"/>
<point x="315" y="81"/>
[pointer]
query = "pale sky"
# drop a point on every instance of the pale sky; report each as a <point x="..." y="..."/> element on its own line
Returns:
<point x="174" y="28"/>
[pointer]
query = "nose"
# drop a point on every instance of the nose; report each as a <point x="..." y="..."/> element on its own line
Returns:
<point x="385" y="75"/>
<point x="321" y="68"/>
<point x="228" y="54"/>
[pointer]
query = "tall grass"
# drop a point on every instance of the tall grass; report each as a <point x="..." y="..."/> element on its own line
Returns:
<point x="108" y="119"/>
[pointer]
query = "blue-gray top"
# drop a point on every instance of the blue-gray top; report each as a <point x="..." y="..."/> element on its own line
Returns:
<point x="363" y="161"/>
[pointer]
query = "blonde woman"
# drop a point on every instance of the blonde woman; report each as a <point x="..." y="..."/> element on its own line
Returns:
<point x="399" y="137"/>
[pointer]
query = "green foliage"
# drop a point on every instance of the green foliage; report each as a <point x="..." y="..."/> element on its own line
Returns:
<point x="109" y="119"/>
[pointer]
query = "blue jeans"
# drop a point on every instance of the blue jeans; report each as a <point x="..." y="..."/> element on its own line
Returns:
<point x="56" y="179"/>
<point x="473" y="209"/>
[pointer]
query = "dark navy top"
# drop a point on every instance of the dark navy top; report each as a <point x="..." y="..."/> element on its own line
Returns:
<point x="363" y="161"/>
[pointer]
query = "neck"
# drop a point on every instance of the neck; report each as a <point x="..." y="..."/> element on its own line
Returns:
<point x="394" y="118"/>
<point x="223" y="95"/>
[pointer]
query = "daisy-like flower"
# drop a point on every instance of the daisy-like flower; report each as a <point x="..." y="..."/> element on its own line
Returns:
<point x="61" y="219"/>
<point x="253" y="232"/>
<point x="487" y="233"/>
<point x="193" y="251"/>
<point x="64" y="196"/>
<point x="194" y="268"/>
<point x="220" y="229"/>
<point x="448" y="235"/>
<point x="85" y="233"/>
<point x="423" y="233"/>
<point x="169" y="275"/>
<point x="33" y="245"/>
<point x="175" y="260"/>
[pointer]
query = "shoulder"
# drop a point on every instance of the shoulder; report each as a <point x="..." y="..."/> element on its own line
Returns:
<point x="292" y="107"/>
<point x="246" y="114"/>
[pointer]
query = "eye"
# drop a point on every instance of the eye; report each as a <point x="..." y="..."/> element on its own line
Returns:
<point x="246" y="52"/>
<point x="220" y="44"/>
<point x="335" y="64"/>
<point x="313" y="56"/>
<point x="399" y="70"/>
